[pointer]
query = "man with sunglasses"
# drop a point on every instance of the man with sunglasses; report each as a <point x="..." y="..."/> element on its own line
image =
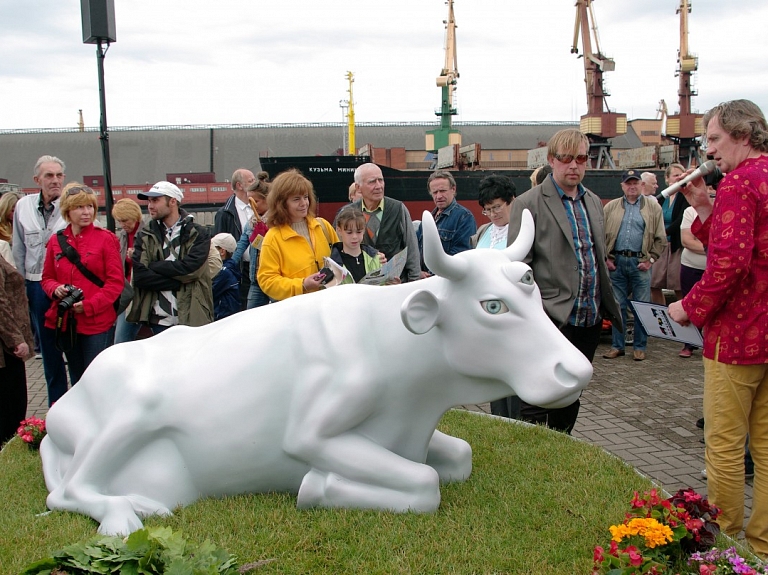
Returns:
<point x="635" y="238"/>
<point x="567" y="258"/>
<point x="36" y="219"/>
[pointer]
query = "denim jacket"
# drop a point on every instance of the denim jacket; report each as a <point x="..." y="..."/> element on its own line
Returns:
<point x="456" y="225"/>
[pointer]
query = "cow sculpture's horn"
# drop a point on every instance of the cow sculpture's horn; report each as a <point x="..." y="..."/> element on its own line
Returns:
<point x="437" y="260"/>
<point x="524" y="240"/>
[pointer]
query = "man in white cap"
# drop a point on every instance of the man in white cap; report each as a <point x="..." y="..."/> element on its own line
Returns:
<point x="172" y="284"/>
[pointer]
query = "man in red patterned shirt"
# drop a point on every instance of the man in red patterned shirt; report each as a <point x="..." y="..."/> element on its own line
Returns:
<point x="730" y="303"/>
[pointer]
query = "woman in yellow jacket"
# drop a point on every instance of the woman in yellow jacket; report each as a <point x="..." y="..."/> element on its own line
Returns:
<point x="293" y="249"/>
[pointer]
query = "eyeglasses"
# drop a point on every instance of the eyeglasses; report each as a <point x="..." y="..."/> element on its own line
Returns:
<point x="493" y="209"/>
<point x="74" y="190"/>
<point x="568" y="158"/>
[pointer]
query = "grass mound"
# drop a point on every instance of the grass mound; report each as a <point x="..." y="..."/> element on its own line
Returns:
<point x="537" y="503"/>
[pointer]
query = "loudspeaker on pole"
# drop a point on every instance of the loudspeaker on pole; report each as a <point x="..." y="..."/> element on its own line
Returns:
<point x="98" y="21"/>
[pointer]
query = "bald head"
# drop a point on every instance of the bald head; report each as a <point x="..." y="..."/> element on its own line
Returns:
<point x="649" y="184"/>
<point x="241" y="181"/>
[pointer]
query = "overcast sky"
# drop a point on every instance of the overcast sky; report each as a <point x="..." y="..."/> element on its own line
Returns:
<point x="253" y="61"/>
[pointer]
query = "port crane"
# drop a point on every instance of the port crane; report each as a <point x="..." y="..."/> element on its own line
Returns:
<point x="445" y="135"/>
<point x="685" y="128"/>
<point x="349" y="106"/>
<point x="599" y="123"/>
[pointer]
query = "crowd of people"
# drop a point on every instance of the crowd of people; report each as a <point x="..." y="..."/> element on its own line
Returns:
<point x="63" y="276"/>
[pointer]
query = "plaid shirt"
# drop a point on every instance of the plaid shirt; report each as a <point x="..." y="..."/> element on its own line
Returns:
<point x="586" y="306"/>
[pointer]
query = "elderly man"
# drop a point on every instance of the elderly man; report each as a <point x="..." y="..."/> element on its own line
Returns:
<point x="172" y="283"/>
<point x="635" y="238"/>
<point x="649" y="184"/>
<point x="36" y="218"/>
<point x="232" y="217"/>
<point x="568" y="258"/>
<point x="730" y="303"/>
<point x="455" y="223"/>
<point x="389" y="227"/>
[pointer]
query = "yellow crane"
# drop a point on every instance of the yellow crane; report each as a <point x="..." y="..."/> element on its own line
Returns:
<point x="351" y="116"/>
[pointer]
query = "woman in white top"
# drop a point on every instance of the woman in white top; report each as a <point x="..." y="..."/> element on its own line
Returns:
<point x="496" y="194"/>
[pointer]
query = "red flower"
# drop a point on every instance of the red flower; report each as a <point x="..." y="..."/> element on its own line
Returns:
<point x="635" y="558"/>
<point x="598" y="555"/>
<point x="707" y="569"/>
<point x="637" y="502"/>
<point x="614" y="549"/>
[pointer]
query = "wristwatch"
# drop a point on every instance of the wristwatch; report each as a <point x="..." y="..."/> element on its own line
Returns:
<point x="652" y="260"/>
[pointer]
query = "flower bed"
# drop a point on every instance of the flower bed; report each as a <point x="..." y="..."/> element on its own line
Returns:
<point x="670" y="536"/>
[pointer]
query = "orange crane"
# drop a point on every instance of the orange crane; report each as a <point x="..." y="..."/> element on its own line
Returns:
<point x="599" y="123"/>
<point x="685" y="127"/>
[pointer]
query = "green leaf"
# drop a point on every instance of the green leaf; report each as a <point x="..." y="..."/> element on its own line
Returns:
<point x="41" y="567"/>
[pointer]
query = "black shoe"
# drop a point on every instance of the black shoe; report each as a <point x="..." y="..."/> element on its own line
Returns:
<point x="700" y="423"/>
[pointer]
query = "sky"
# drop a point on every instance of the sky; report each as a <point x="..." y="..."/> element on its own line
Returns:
<point x="193" y="62"/>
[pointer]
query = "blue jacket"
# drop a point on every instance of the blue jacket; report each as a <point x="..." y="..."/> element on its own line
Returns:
<point x="226" y="290"/>
<point x="456" y="225"/>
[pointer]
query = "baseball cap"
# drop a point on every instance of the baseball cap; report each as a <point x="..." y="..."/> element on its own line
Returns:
<point x="162" y="189"/>
<point x="224" y="240"/>
<point x="630" y="175"/>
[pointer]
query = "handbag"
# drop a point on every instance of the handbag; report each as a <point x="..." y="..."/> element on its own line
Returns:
<point x="126" y="296"/>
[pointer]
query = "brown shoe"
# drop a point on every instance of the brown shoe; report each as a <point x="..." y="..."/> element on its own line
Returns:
<point x="613" y="353"/>
<point x="638" y="355"/>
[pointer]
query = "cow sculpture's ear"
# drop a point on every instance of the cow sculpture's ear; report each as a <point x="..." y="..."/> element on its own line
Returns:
<point x="420" y="311"/>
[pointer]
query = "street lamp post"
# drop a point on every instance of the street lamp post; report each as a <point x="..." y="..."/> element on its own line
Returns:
<point x="99" y="28"/>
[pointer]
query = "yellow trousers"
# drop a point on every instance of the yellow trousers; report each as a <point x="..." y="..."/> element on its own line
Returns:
<point x="736" y="403"/>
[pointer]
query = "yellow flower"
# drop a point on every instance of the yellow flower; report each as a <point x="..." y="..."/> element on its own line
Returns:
<point x="655" y="533"/>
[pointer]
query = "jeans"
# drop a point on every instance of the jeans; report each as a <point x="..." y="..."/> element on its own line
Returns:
<point x="53" y="360"/>
<point x="626" y="280"/>
<point x="86" y="348"/>
<point x="736" y="404"/>
<point x="125" y="330"/>
<point x="256" y="297"/>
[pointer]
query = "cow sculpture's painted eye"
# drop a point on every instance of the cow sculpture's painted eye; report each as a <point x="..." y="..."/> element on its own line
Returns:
<point x="527" y="278"/>
<point x="494" y="306"/>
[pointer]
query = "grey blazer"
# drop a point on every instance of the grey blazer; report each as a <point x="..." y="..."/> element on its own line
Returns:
<point x="553" y="255"/>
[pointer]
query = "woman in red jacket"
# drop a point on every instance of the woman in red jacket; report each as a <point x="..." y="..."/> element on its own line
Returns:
<point x="99" y="251"/>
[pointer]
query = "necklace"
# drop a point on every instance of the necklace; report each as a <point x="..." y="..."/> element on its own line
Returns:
<point x="357" y="257"/>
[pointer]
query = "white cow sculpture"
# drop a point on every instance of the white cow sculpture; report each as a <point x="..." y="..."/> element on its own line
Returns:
<point x="334" y="395"/>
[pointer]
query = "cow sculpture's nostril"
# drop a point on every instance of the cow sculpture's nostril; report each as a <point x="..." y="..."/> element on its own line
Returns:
<point x="566" y="377"/>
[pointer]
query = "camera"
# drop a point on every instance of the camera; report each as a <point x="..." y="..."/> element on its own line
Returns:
<point x="73" y="296"/>
<point x="327" y="275"/>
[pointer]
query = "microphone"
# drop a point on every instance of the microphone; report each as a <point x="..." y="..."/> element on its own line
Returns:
<point x="703" y="170"/>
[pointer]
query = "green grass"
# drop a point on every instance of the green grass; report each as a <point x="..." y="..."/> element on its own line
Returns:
<point x="537" y="502"/>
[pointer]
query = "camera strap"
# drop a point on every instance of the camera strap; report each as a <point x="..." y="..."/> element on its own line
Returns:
<point x="69" y="252"/>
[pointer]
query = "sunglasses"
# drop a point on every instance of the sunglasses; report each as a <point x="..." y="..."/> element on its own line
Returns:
<point x="568" y="158"/>
<point x="74" y="190"/>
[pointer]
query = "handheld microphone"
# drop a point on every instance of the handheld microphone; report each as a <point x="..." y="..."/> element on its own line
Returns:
<point x="704" y="169"/>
